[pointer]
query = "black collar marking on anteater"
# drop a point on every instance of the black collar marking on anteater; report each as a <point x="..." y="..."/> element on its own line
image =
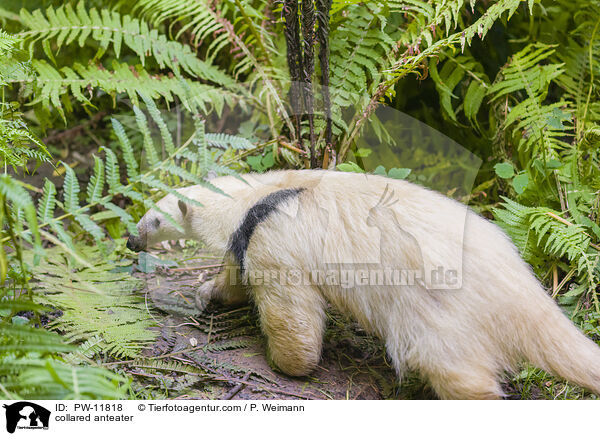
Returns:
<point x="238" y="244"/>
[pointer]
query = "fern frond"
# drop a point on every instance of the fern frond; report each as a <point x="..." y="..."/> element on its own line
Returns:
<point x="26" y="339"/>
<point x="14" y="193"/>
<point x="524" y="71"/>
<point x="167" y="366"/>
<point x="128" y="156"/>
<point x="105" y="27"/>
<point x="96" y="183"/>
<point x="228" y="345"/>
<point x="183" y="174"/>
<point x="90" y="227"/>
<point x="53" y="379"/>
<point x="359" y="48"/>
<point x="47" y="203"/>
<point x="456" y="70"/>
<point x="157" y="184"/>
<point x="94" y="302"/>
<point x="51" y="84"/>
<point x="530" y="118"/>
<point x="149" y="147"/>
<point x="123" y="216"/>
<point x="30" y="365"/>
<point x="70" y="189"/>
<point x="223" y="140"/>
<point x="539" y="235"/>
<point x="86" y="350"/>
<point x="158" y="178"/>
<point x="198" y="18"/>
<point x="113" y="176"/>
<point x="162" y="126"/>
<point x="203" y="152"/>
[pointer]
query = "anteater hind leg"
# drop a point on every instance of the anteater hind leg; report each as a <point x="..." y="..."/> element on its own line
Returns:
<point x="464" y="383"/>
<point x="293" y="319"/>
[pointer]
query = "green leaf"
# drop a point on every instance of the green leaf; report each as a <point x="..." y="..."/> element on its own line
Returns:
<point x="261" y="163"/>
<point x="148" y="263"/>
<point x="520" y="183"/>
<point x="380" y="171"/>
<point x="399" y="173"/>
<point x="350" y="167"/>
<point x="556" y="118"/>
<point x="592" y="225"/>
<point x="255" y="163"/>
<point x="268" y="160"/>
<point x="504" y="170"/>
<point x="363" y="152"/>
<point x="20" y="320"/>
<point x="554" y="164"/>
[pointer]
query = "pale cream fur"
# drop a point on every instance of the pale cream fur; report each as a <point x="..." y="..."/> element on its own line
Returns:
<point x="460" y="340"/>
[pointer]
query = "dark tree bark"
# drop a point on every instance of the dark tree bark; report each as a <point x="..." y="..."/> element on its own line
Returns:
<point x="294" y="59"/>
<point x="323" y="8"/>
<point x="301" y="63"/>
<point x="308" y="33"/>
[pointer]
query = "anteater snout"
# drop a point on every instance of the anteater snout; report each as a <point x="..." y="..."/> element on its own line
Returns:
<point x="135" y="243"/>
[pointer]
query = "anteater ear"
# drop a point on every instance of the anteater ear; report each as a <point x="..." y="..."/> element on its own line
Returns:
<point x="182" y="208"/>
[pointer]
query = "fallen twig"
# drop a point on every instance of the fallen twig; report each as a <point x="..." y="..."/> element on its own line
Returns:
<point x="232" y="393"/>
<point x="291" y="147"/>
<point x="191" y="268"/>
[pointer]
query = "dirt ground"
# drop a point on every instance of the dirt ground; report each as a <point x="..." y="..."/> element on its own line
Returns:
<point x="221" y="351"/>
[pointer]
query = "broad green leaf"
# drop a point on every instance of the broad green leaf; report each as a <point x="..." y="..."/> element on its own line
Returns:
<point x="363" y="152"/>
<point x="350" y="167"/>
<point x="380" y="171"/>
<point x="399" y="173"/>
<point x="504" y="170"/>
<point x="520" y="183"/>
<point x="147" y="263"/>
<point x="557" y="117"/>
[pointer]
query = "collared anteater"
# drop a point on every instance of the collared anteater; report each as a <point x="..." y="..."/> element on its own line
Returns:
<point x="277" y="229"/>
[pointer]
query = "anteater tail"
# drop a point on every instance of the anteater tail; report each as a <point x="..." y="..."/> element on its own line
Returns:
<point x="552" y="342"/>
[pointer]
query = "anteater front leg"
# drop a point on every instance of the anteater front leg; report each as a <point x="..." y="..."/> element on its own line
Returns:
<point x="225" y="288"/>
<point x="293" y="319"/>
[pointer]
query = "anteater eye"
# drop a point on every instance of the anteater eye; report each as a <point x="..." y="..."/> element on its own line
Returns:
<point x="156" y="222"/>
